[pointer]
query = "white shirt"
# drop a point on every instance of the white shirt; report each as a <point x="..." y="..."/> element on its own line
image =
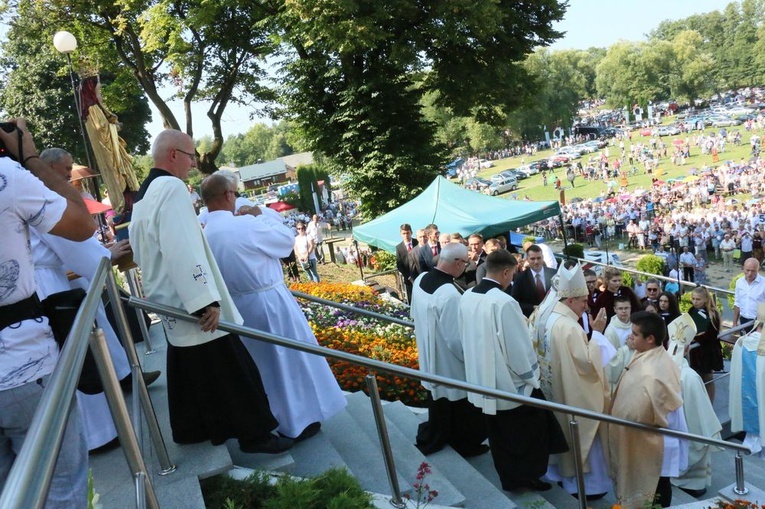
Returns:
<point x="27" y="349"/>
<point x="748" y="296"/>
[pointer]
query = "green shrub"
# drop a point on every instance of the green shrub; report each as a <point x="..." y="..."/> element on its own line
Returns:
<point x="223" y="492"/>
<point x="384" y="260"/>
<point x="732" y="288"/>
<point x="334" y="489"/>
<point x="627" y="280"/>
<point x="652" y="264"/>
<point x="529" y="238"/>
<point x="575" y="250"/>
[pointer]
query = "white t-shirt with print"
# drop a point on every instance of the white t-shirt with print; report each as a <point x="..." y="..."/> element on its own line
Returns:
<point x="27" y="349"/>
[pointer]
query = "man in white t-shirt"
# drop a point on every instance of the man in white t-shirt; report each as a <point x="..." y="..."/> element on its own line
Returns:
<point x="33" y="195"/>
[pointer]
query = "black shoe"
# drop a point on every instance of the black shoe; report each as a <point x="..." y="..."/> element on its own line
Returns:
<point x="470" y="452"/>
<point x="308" y="432"/>
<point x="149" y="377"/>
<point x="272" y="445"/>
<point x="695" y="493"/>
<point x="538" y="485"/>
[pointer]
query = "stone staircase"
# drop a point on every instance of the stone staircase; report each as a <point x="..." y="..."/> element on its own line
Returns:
<point x="350" y="440"/>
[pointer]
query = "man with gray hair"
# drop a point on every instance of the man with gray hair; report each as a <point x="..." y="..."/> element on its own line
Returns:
<point x="452" y="419"/>
<point x="214" y="388"/>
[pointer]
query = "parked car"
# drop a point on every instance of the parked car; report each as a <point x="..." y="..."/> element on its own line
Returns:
<point x="723" y="121"/>
<point x="503" y="185"/>
<point x="558" y="160"/>
<point x="484" y="163"/>
<point x="527" y="171"/>
<point x="477" y="183"/>
<point x="668" y="130"/>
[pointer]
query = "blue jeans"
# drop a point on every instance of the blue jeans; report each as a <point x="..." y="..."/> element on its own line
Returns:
<point x="310" y="268"/>
<point x="69" y="485"/>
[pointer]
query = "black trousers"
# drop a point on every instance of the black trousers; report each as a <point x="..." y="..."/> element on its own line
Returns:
<point x="456" y="423"/>
<point x="521" y="441"/>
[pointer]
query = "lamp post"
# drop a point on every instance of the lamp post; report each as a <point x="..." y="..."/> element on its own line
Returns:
<point x="66" y="43"/>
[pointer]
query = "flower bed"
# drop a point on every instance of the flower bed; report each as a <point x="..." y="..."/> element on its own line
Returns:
<point x="361" y="335"/>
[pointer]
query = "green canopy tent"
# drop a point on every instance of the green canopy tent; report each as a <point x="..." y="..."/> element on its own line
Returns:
<point x="454" y="209"/>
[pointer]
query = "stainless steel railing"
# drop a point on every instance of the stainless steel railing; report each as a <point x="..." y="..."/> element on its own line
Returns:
<point x="376" y="365"/>
<point x="648" y="274"/>
<point x="29" y="478"/>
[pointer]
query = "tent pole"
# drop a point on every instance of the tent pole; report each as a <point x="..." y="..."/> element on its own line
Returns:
<point x="563" y="232"/>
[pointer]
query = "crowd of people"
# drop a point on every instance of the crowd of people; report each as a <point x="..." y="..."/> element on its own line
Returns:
<point x="219" y="387"/>
<point x="591" y="342"/>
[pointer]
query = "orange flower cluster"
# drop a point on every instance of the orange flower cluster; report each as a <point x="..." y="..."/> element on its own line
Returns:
<point x="359" y="335"/>
<point x="737" y="504"/>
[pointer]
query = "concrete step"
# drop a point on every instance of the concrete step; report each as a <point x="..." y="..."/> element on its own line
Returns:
<point x="478" y="492"/>
<point x="111" y="475"/>
<point x="407" y="457"/>
<point x="361" y="455"/>
<point x="315" y="456"/>
<point x="485" y="466"/>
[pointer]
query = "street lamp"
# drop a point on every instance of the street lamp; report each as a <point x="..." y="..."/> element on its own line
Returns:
<point x="66" y="43"/>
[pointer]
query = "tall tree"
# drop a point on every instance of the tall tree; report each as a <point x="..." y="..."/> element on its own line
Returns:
<point x="358" y="70"/>
<point x="208" y="51"/>
<point x="36" y="86"/>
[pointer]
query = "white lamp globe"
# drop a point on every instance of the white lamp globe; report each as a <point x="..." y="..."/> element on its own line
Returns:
<point x="64" y="42"/>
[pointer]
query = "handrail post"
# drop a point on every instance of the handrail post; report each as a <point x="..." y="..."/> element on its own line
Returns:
<point x="135" y="290"/>
<point x="382" y="432"/>
<point x="118" y="408"/>
<point x="140" y="490"/>
<point x="740" y="488"/>
<point x="576" y="445"/>
<point x="140" y="393"/>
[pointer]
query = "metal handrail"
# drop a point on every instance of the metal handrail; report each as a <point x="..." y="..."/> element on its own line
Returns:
<point x="345" y="307"/>
<point x="30" y="476"/>
<point x="419" y="375"/>
<point x="655" y="276"/>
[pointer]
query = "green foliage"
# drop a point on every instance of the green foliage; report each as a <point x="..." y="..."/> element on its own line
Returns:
<point x="359" y="70"/>
<point x="652" y="264"/>
<point x="335" y="488"/>
<point x="732" y="288"/>
<point x="575" y="250"/>
<point x="261" y="143"/>
<point x="639" y="72"/>
<point x="384" y="260"/>
<point x="628" y="280"/>
<point x="37" y="85"/>
<point x="250" y="493"/>
<point x="530" y="238"/>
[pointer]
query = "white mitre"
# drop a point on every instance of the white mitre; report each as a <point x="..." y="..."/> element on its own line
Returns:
<point x="681" y="332"/>
<point x="570" y="282"/>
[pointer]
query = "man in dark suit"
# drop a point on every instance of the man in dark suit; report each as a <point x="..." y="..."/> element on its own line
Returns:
<point x="476" y="255"/>
<point x="429" y="250"/>
<point x="402" y="257"/>
<point x="531" y="285"/>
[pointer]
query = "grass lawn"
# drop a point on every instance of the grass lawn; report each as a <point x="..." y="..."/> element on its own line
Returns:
<point x="533" y="188"/>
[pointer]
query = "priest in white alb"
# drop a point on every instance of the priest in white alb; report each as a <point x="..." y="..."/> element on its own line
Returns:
<point x="499" y="354"/>
<point x="301" y="388"/>
<point x="747" y="386"/>
<point x="452" y="419"/>
<point x="699" y="413"/>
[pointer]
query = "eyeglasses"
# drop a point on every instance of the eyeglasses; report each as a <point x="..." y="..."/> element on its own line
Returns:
<point x="193" y="156"/>
<point x="652" y="289"/>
